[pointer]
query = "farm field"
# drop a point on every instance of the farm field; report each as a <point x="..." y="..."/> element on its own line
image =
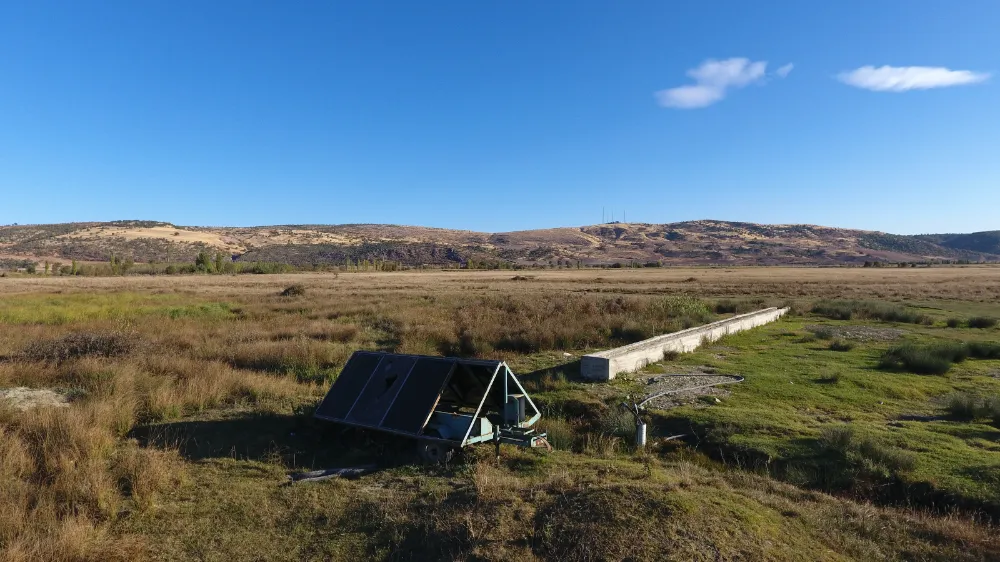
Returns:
<point x="867" y="427"/>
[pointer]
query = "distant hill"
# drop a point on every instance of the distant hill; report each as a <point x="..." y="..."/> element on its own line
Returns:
<point x="684" y="243"/>
<point x="985" y="242"/>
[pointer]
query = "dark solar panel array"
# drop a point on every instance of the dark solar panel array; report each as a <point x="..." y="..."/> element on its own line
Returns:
<point x="348" y="386"/>
<point x="419" y="395"/>
<point x="387" y="391"/>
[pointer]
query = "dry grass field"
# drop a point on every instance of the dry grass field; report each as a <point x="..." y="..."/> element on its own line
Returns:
<point x="190" y="399"/>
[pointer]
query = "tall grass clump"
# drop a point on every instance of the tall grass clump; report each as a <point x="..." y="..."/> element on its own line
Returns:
<point x="841" y="345"/>
<point x="81" y="344"/>
<point x="984" y="350"/>
<point x="728" y="306"/>
<point x="868" y="310"/>
<point x="871" y="456"/>
<point x="560" y="433"/>
<point x="968" y="406"/>
<point x="934" y="359"/>
<point x="982" y="322"/>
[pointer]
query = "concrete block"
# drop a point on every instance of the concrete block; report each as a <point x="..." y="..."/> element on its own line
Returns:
<point x="604" y="365"/>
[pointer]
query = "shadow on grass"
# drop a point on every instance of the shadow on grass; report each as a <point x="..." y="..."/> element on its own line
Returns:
<point x="297" y="441"/>
<point x="569" y="372"/>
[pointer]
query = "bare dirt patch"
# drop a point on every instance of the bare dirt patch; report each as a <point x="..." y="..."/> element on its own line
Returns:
<point x="859" y="333"/>
<point x="22" y="398"/>
<point x="685" y="388"/>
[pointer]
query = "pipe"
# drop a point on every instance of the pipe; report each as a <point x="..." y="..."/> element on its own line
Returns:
<point x="640" y="434"/>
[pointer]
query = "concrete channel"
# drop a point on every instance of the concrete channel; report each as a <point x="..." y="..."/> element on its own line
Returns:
<point x="605" y="365"/>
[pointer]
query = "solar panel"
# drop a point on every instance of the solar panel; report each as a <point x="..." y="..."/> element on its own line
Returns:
<point x="382" y="390"/>
<point x="345" y="390"/>
<point x="419" y="395"/>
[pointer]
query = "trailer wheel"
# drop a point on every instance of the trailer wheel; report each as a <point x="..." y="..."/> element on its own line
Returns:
<point x="432" y="451"/>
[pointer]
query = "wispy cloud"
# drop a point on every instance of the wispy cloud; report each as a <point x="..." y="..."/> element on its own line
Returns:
<point x="784" y="70"/>
<point x="903" y="78"/>
<point x="713" y="79"/>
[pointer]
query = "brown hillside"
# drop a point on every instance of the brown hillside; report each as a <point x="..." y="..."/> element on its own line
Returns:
<point x="685" y="243"/>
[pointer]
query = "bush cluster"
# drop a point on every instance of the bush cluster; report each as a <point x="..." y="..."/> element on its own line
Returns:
<point x="937" y="358"/>
<point x="868" y="310"/>
<point x="982" y="322"/>
<point x="81" y="344"/>
<point x="296" y="290"/>
<point x="967" y="406"/>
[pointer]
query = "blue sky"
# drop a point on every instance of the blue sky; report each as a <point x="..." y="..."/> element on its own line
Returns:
<point x="499" y="116"/>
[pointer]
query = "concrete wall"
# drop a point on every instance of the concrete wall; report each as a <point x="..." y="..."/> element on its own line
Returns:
<point x="604" y="365"/>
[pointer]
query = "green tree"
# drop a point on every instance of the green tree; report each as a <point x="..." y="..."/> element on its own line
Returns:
<point x="203" y="262"/>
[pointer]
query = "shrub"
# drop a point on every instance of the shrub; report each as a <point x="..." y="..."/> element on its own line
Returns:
<point x="868" y="454"/>
<point x="618" y="423"/>
<point x="294" y="291"/>
<point x="841" y="345"/>
<point x="993" y="409"/>
<point x="984" y="350"/>
<point x="890" y="458"/>
<point x="955" y="352"/>
<point x="836" y="437"/>
<point x="81" y="344"/>
<point x="982" y="322"/>
<point x="966" y="406"/>
<point x="916" y="359"/>
<point x="831" y="378"/>
<point x="560" y="433"/>
<point x="726" y="307"/>
<point x="824" y="332"/>
<point x="954" y="322"/>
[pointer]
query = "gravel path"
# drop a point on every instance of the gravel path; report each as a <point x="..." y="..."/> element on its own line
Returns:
<point x="670" y="383"/>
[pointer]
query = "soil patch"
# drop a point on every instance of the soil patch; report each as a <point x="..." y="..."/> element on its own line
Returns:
<point x="22" y="398"/>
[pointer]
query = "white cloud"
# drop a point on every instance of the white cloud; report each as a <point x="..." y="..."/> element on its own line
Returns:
<point x="903" y="78"/>
<point x="712" y="79"/>
<point x="784" y="70"/>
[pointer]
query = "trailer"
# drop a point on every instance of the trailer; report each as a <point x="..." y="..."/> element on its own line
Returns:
<point x="445" y="403"/>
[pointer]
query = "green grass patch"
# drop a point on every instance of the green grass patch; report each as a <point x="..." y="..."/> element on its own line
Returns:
<point x="84" y="307"/>
<point x="792" y="392"/>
